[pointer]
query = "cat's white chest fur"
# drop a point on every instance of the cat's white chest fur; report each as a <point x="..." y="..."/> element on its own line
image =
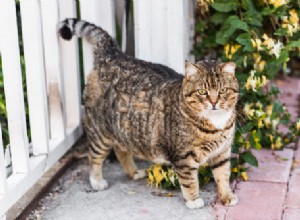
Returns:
<point x="218" y="118"/>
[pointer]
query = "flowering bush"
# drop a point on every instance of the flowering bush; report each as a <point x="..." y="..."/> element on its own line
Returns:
<point x="261" y="37"/>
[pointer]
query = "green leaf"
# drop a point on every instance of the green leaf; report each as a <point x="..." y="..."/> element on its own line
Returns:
<point x="248" y="5"/>
<point x="245" y="40"/>
<point x="225" y="6"/>
<point x="293" y="44"/>
<point x="248" y="157"/>
<point x="218" y="18"/>
<point x="229" y="27"/>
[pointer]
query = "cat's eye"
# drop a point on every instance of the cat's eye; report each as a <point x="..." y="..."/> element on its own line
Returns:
<point x="202" y="91"/>
<point x="223" y="90"/>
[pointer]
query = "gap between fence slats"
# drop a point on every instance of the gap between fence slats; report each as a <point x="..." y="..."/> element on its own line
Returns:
<point x="13" y="88"/>
<point x="55" y="82"/>
<point x="70" y="64"/>
<point x="35" y="75"/>
<point x="3" y="184"/>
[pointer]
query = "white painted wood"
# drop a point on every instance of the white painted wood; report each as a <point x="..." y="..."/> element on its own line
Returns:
<point x="13" y="86"/>
<point x="35" y="75"/>
<point x="159" y="34"/>
<point x="3" y="184"/>
<point x="100" y="13"/>
<point x="142" y="29"/>
<point x="2" y="217"/>
<point x="70" y="64"/>
<point x="18" y="184"/>
<point x="176" y="39"/>
<point x="55" y="82"/>
<point x="161" y="31"/>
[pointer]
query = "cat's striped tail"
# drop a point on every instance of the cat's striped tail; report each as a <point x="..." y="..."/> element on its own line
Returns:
<point x="88" y="31"/>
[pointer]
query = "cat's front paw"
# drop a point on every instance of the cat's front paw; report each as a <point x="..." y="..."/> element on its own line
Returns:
<point x="230" y="199"/>
<point x="140" y="174"/>
<point x="98" y="185"/>
<point x="195" y="204"/>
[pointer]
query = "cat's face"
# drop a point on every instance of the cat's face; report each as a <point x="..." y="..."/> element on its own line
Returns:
<point x="210" y="87"/>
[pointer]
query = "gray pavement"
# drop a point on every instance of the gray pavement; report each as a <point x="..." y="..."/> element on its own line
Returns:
<point x="72" y="198"/>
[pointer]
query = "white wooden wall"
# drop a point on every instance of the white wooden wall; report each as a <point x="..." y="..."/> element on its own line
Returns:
<point x="162" y="32"/>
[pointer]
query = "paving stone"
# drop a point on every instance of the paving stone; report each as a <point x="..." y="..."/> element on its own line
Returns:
<point x="293" y="194"/>
<point x="297" y="153"/>
<point x="219" y="210"/>
<point x="290" y="99"/>
<point x="289" y="85"/>
<point x="259" y="201"/>
<point x="273" y="166"/>
<point x="291" y="214"/>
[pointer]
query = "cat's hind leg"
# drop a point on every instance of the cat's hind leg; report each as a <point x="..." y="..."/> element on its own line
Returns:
<point x="126" y="160"/>
<point x="98" y="153"/>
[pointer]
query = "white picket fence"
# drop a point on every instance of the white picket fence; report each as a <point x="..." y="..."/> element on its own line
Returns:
<point x="162" y="34"/>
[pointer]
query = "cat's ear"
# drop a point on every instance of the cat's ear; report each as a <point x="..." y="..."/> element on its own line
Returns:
<point x="190" y="70"/>
<point x="228" y="68"/>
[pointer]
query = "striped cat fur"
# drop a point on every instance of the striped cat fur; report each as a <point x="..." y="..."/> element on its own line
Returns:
<point x="149" y="111"/>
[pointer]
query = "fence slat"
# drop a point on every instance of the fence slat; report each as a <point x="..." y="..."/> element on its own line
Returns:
<point x="100" y="13"/>
<point x="70" y="62"/>
<point x="176" y="28"/>
<point x="159" y="32"/>
<point x="3" y="184"/>
<point x="35" y="75"/>
<point x="13" y="86"/>
<point x="142" y="29"/>
<point x="53" y="68"/>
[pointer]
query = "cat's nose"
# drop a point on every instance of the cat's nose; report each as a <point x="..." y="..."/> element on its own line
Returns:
<point x="213" y="105"/>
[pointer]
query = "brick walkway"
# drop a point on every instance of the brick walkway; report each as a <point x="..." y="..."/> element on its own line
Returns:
<point x="273" y="189"/>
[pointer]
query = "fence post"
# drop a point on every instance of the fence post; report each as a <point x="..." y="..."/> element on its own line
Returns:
<point x="13" y="87"/>
<point x="100" y="13"/>
<point x="53" y="68"/>
<point x="35" y="75"/>
<point x="70" y="63"/>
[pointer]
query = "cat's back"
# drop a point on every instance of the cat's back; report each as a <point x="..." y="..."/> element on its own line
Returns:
<point x="134" y="74"/>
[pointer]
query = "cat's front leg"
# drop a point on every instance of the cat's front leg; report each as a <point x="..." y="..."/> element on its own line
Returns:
<point x="188" y="179"/>
<point x="220" y="166"/>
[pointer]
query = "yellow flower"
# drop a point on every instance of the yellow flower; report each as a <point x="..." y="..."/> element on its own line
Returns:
<point x="267" y="122"/>
<point x="261" y="65"/>
<point x="278" y="143"/>
<point x="150" y="178"/>
<point x="268" y="42"/>
<point x="298" y="125"/>
<point x="269" y="110"/>
<point x="230" y="49"/>
<point x="256" y="43"/>
<point x="294" y="19"/>
<point x="277" y="3"/>
<point x="251" y="81"/>
<point x="244" y="176"/>
<point x="254" y="82"/>
<point x="248" y="111"/>
<point x="260" y="124"/>
<point x="235" y="170"/>
<point x="247" y="145"/>
<point x="155" y="174"/>
<point x="275" y="122"/>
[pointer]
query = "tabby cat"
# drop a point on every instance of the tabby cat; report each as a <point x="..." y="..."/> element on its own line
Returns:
<point x="148" y="110"/>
